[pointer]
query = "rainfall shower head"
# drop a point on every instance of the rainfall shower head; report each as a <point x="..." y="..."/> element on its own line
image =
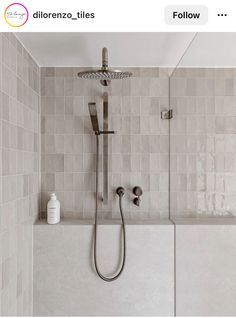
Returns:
<point x="104" y="74"/>
<point x="93" y="116"/>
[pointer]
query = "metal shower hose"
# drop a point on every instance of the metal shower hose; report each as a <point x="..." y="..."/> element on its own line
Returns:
<point x="107" y="279"/>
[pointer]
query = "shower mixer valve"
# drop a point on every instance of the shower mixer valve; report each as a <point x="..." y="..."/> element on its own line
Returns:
<point x="137" y="191"/>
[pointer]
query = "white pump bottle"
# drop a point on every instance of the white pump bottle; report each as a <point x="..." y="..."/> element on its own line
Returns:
<point x="53" y="210"/>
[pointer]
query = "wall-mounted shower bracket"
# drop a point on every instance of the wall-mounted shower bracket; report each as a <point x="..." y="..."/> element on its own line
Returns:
<point x="101" y="132"/>
<point x="167" y="114"/>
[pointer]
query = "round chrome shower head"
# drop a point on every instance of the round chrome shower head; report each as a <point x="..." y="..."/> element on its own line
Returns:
<point x="104" y="74"/>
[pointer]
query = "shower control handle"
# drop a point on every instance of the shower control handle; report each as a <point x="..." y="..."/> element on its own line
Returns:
<point x="137" y="191"/>
<point x="137" y="201"/>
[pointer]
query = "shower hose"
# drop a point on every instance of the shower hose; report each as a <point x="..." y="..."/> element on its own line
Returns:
<point x="107" y="279"/>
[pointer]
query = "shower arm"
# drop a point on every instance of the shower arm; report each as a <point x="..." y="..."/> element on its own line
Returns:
<point x="104" y="58"/>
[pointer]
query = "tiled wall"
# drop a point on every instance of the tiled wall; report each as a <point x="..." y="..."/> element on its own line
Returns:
<point x="138" y="150"/>
<point x="203" y="142"/>
<point x="19" y="173"/>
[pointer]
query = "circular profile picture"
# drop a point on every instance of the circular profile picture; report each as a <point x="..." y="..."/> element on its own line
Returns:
<point x="16" y="15"/>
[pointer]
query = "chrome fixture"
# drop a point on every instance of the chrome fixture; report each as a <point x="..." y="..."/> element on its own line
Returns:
<point x="104" y="74"/>
<point x="120" y="192"/>
<point x="94" y="121"/>
<point x="105" y="149"/>
<point x="105" y="132"/>
<point x="167" y="114"/>
<point x="137" y="191"/>
<point x="94" y="117"/>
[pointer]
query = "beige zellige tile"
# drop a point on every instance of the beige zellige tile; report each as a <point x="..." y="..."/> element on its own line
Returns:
<point x="78" y="163"/>
<point x="68" y="163"/>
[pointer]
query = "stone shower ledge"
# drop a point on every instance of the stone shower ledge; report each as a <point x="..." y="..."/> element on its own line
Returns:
<point x="176" y="221"/>
<point x="71" y="222"/>
<point x="205" y="221"/>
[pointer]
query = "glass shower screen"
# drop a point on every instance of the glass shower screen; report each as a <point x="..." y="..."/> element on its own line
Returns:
<point x="203" y="129"/>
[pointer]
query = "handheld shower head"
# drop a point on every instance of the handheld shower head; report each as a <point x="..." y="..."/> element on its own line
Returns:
<point x="93" y="116"/>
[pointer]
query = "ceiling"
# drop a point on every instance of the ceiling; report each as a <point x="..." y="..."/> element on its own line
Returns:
<point x="215" y="49"/>
<point x="125" y="49"/>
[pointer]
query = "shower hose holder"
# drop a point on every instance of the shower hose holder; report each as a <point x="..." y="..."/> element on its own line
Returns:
<point x="101" y="132"/>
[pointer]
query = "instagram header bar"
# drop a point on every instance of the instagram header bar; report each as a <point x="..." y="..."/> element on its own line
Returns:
<point x="118" y="16"/>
